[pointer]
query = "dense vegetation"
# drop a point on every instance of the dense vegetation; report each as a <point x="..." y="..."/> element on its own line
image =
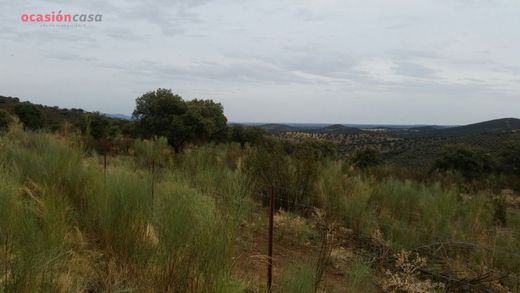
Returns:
<point x="187" y="216"/>
<point x="159" y="113"/>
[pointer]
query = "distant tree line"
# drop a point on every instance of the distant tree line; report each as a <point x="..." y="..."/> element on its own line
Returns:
<point x="159" y="113"/>
<point x="457" y="160"/>
<point x="182" y="123"/>
<point x="473" y="163"/>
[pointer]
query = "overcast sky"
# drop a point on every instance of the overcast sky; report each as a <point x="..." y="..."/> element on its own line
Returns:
<point x="337" y="61"/>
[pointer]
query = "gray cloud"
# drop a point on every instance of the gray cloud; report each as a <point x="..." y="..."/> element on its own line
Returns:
<point x="67" y="56"/>
<point x="414" y="70"/>
<point x="236" y="73"/>
<point x="326" y="61"/>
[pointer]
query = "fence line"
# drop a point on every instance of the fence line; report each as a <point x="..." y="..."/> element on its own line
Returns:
<point x="271" y="196"/>
<point x="446" y="238"/>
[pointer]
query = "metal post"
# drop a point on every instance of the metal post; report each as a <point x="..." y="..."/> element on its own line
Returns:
<point x="153" y="179"/>
<point x="105" y="166"/>
<point x="270" y="247"/>
<point x="6" y="262"/>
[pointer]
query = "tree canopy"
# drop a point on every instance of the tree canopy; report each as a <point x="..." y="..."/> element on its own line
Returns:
<point x="243" y="135"/>
<point x="30" y="115"/>
<point x="468" y="161"/>
<point x="163" y="113"/>
<point x="97" y="125"/>
<point x="366" y="158"/>
<point x="509" y="159"/>
<point x="5" y="119"/>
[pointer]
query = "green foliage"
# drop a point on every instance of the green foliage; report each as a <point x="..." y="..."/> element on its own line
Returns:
<point x="30" y="115"/>
<point x="314" y="148"/>
<point x="469" y="161"/>
<point x="207" y="121"/>
<point x="36" y="233"/>
<point x="162" y="113"/>
<point x="360" y="276"/>
<point x="68" y="231"/>
<point x="505" y="255"/>
<point x="347" y="199"/>
<point x="53" y="118"/>
<point x="509" y="158"/>
<point x="500" y="215"/>
<point x="155" y="150"/>
<point x="97" y="125"/>
<point x="65" y="229"/>
<point x="5" y="120"/>
<point x="292" y="177"/>
<point x="366" y="158"/>
<point x="246" y="135"/>
<point x="184" y="236"/>
<point x="119" y="216"/>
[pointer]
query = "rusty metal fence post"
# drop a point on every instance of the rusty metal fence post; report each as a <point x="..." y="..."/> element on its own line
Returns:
<point x="105" y="167"/>
<point x="270" y="244"/>
<point x="153" y="181"/>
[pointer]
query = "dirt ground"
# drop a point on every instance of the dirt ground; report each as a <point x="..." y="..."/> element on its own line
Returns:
<point x="296" y="241"/>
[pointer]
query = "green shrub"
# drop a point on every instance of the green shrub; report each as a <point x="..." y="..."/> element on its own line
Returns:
<point x="469" y="161"/>
<point x="366" y="158"/>
<point x="293" y="177"/>
<point x="5" y="120"/>
<point x="67" y="230"/>
<point x="193" y="240"/>
<point x="509" y="159"/>
<point x="360" y="276"/>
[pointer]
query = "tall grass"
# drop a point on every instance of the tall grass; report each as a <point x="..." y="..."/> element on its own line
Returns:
<point x="360" y="276"/>
<point x="298" y="278"/>
<point x="292" y="177"/>
<point x="64" y="229"/>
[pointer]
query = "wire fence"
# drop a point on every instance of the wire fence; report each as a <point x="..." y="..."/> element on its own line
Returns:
<point x="443" y="237"/>
<point x="440" y="237"/>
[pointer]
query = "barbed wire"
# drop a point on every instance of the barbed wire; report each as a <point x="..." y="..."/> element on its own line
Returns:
<point x="446" y="240"/>
<point x="443" y="237"/>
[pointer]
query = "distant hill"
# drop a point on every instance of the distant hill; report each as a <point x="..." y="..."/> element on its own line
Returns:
<point x="429" y="128"/>
<point x="337" y="129"/>
<point x="423" y="129"/>
<point x="498" y="125"/>
<point x="54" y="117"/>
<point x="332" y="129"/>
<point x="118" y="116"/>
<point x="489" y="136"/>
<point x="278" y="128"/>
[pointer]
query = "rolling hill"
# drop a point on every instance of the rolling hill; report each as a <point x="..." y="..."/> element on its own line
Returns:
<point x="497" y="125"/>
<point x="337" y="129"/>
<point x="278" y="128"/>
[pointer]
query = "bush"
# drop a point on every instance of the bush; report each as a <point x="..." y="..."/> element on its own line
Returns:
<point x="367" y="158"/>
<point x="193" y="241"/>
<point x="509" y="159"/>
<point x="5" y="120"/>
<point x="292" y="177"/>
<point x="30" y="115"/>
<point x="246" y="135"/>
<point x="469" y="161"/>
<point x="67" y="230"/>
<point x="360" y="276"/>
